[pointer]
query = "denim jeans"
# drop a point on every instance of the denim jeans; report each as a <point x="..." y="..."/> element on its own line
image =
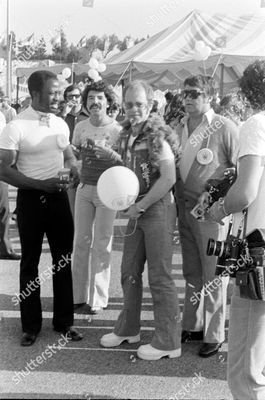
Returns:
<point x="93" y="230"/>
<point x="246" y="348"/>
<point x="151" y="241"/>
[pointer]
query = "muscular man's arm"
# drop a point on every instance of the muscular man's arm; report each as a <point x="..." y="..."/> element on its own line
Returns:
<point x="19" y="180"/>
<point x="245" y="189"/>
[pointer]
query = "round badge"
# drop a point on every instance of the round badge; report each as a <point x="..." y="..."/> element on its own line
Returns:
<point x="62" y="141"/>
<point x="204" y="156"/>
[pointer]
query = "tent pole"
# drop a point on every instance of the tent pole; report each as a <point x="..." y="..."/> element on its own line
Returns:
<point x="17" y="89"/>
<point x="130" y="71"/>
<point x="222" y="80"/>
<point x="120" y="78"/>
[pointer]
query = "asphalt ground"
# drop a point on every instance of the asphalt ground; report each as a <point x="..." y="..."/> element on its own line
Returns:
<point x="84" y="370"/>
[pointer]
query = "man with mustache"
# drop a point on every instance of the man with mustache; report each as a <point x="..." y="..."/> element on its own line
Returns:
<point x="37" y="142"/>
<point x="94" y="137"/>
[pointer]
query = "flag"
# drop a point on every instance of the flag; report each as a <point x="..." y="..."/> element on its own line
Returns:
<point x="29" y="41"/>
<point x="88" y="3"/>
<point x="82" y="42"/>
<point x="262" y="3"/>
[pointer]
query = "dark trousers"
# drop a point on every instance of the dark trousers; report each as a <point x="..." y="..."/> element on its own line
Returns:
<point x="5" y="244"/>
<point x="39" y="213"/>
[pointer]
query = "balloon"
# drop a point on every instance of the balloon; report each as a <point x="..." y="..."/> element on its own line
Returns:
<point x="118" y="188"/>
<point x="98" y="79"/>
<point x="60" y="77"/>
<point x="101" y="67"/>
<point x="205" y="52"/>
<point x="197" y="56"/>
<point x="93" y="63"/>
<point x="199" y="45"/>
<point x="93" y="74"/>
<point x="66" y="73"/>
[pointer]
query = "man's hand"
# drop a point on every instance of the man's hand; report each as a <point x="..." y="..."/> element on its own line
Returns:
<point x="204" y="200"/>
<point x="67" y="108"/>
<point x="216" y="213"/>
<point x="53" y="185"/>
<point x="106" y="152"/>
<point x="74" y="177"/>
<point x="133" y="212"/>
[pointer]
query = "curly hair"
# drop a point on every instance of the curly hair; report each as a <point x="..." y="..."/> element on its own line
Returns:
<point x="252" y="84"/>
<point x="99" y="86"/>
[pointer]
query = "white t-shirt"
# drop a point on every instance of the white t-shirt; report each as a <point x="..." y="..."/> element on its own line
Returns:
<point x="252" y="142"/>
<point x="40" y="147"/>
<point x="2" y="121"/>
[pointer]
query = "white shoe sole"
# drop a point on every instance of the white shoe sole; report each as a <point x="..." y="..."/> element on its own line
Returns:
<point x="129" y="339"/>
<point x="154" y="357"/>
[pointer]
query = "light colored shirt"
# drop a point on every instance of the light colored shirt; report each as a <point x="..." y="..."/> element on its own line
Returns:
<point x="252" y="142"/>
<point x="40" y="145"/>
<point x="2" y="121"/>
<point x="218" y="134"/>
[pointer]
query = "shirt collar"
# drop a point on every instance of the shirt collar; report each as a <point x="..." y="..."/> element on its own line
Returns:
<point x="207" y="117"/>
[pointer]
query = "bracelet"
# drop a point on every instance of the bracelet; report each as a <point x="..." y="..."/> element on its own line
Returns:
<point x="222" y="203"/>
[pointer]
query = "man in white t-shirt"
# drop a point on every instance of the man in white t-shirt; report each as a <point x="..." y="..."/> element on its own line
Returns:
<point x="246" y="341"/>
<point x="95" y="137"/>
<point x="37" y="142"/>
<point x="148" y="237"/>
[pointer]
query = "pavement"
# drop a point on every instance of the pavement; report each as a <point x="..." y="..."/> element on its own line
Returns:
<point x="84" y="370"/>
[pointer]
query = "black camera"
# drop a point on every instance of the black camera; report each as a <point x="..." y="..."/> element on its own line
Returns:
<point x="232" y="254"/>
<point x="218" y="188"/>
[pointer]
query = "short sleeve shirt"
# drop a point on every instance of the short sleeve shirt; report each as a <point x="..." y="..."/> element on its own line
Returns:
<point x="40" y="145"/>
<point x="252" y="142"/>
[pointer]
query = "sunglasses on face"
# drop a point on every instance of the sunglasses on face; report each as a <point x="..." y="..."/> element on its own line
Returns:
<point x="129" y="105"/>
<point x="71" y="96"/>
<point x="193" y="93"/>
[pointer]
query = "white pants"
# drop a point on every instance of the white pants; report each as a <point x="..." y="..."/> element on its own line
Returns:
<point x="93" y="230"/>
<point x="246" y="348"/>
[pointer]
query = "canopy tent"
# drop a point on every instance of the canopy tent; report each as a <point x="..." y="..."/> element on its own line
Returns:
<point x="234" y="43"/>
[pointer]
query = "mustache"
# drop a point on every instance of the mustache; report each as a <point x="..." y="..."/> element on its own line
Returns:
<point x="95" y="105"/>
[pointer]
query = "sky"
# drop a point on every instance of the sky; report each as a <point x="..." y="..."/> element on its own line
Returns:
<point x="137" y="18"/>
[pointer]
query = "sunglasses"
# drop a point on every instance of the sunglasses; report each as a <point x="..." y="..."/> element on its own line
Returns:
<point x="193" y="93"/>
<point x="71" y="96"/>
<point x="129" y="105"/>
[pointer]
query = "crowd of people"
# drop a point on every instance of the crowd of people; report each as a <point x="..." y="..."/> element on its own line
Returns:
<point x="200" y="165"/>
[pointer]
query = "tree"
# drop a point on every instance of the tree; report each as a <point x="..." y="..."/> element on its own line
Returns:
<point x="74" y="54"/>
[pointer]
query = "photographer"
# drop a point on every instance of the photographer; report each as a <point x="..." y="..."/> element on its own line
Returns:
<point x="246" y="344"/>
<point x="209" y="149"/>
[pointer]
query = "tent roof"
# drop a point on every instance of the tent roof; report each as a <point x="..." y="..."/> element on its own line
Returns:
<point x="238" y="40"/>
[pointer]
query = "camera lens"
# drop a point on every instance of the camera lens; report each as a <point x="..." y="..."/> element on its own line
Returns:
<point x="215" y="248"/>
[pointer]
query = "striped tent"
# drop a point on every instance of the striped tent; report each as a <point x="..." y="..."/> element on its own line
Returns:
<point x="234" y="43"/>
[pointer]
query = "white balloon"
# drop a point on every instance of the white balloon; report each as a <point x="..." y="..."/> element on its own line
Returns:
<point x="118" y="188"/>
<point x="199" y="45"/>
<point x="101" y="67"/>
<point x="93" y="74"/>
<point x="66" y="73"/>
<point x="197" y="56"/>
<point x="93" y="63"/>
<point x="205" y="52"/>
<point x="60" y="77"/>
